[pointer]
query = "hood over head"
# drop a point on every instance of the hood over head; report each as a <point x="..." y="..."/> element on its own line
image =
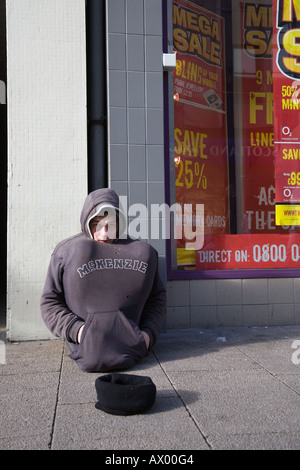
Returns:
<point x="96" y="203"/>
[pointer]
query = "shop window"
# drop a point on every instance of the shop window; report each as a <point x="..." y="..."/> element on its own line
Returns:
<point x="223" y="154"/>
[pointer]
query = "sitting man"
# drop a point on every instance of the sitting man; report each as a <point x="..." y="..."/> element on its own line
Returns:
<point x="103" y="294"/>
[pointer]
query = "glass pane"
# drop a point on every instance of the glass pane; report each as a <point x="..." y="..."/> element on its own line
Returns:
<point x="224" y="157"/>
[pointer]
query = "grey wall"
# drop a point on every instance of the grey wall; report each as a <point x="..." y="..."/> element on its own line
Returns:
<point x="135" y="101"/>
<point x="233" y="302"/>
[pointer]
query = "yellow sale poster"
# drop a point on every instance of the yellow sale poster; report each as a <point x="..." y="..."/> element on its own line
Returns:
<point x="286" y="71"/>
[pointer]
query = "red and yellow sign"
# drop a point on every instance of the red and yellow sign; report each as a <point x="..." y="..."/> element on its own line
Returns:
<point x="286" y="69"/>
<point x="249" y="252"/>
<point x="201" y="155"/>
<point x="256" y="83"/>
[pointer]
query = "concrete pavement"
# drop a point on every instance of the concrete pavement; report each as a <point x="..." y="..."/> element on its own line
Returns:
<point x="220" y="388"/>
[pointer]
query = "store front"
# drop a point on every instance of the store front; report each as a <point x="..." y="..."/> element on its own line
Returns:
<point x="3" y="152"/>
<point x="224" y="146"/>
<point x="233" y="165"/>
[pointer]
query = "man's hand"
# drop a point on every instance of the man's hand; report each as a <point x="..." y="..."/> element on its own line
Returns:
<point x="146" y="338"/>
<point x="145" y="335"/>
<point x="79" y="334"/>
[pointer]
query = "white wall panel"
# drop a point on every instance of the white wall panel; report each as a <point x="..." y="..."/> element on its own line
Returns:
<point x="47" y="147"/>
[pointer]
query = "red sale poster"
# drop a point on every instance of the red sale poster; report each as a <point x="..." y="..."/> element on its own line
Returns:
<point x="257" y="175"/>
<point x="201" y="155"/>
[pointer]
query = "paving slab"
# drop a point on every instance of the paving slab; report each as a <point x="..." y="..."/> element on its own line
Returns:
<point x="167" y="426"/>
<point x="218" y="388"/>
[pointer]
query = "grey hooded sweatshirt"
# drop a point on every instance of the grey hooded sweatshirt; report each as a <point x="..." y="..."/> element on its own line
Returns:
<point x="114" y="289"/>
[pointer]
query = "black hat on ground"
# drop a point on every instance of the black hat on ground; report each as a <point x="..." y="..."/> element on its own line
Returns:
<point x="124" y="394"/>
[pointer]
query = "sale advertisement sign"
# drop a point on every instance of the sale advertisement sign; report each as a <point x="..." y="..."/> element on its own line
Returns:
<point x="249" y="252"/>
<point x="286" y="72"/>
<point x="256" y="83"/>
<point x="201" y="151"/>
